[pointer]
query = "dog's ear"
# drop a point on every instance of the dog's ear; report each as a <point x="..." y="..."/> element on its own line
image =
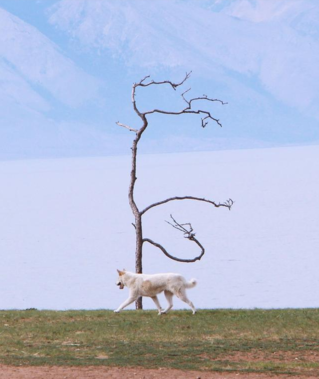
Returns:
<point x="121" y="272"/>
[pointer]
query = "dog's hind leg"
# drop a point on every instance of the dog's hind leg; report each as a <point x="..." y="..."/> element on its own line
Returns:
<point x="169" y="298"/>
<point x="181" y="294"/>
<point x="158" y="305"/>
<point x="126" y="303"/>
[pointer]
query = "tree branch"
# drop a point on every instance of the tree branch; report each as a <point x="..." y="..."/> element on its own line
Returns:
<point x="186" y="110"/>
<point x="228" y="203"/>
<point x="189" y="110"/>
<point x="173" y="85"/>
<point x="126" y="127"/>
<point x="188" y="233"/>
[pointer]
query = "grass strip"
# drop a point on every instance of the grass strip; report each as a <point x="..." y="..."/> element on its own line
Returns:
<point x="268" y="341"/>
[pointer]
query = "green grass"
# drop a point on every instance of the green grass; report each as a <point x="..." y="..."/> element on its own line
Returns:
<point x="272" y="341"/>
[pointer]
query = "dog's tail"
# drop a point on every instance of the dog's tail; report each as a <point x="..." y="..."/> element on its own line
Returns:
<point x="191" y="284"/>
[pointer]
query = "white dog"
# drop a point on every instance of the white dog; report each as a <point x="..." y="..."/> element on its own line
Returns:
<point x="151" y="285"/>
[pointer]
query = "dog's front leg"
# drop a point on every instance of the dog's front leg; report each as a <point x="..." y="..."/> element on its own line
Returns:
<point x="126" y="303"/>
<point x="158" y="305"/>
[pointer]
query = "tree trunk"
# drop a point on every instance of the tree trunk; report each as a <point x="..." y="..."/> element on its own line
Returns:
<point x="137" y="215"/>
<point x="139" y="254"/>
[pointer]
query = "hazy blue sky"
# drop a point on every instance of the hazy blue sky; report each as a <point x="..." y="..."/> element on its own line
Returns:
<point x="67" y="67"/>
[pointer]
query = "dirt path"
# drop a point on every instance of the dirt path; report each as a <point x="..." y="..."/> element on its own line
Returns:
<point x="10" y="372"/>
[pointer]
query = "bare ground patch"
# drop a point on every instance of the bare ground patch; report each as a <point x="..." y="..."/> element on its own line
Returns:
<point x="261" y="356"/>
<point x="11" y="372"/>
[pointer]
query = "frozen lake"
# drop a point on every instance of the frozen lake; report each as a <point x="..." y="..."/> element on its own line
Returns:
<point x="65" y="227"/>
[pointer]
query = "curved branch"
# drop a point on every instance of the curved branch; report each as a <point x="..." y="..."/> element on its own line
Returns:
<point x="228" y="203"/>
<point x="175" y="258"/>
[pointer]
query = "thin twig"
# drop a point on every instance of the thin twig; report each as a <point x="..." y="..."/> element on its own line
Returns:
<point x="181" y="227"/>
<point x="126" y="127"/>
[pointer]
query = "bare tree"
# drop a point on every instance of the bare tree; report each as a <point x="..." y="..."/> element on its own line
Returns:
<point x="185" y="228"/>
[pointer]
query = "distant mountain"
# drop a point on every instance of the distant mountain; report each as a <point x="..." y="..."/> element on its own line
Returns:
<point x="63" y="88"/>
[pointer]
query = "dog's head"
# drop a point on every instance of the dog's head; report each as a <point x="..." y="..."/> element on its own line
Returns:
<point x="120" y="282"/>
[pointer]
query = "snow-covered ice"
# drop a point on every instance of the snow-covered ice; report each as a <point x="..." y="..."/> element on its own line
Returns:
<point x="65" y="226"/>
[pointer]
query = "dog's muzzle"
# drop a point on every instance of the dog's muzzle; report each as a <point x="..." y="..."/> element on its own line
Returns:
<point x="121" y="285"/>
